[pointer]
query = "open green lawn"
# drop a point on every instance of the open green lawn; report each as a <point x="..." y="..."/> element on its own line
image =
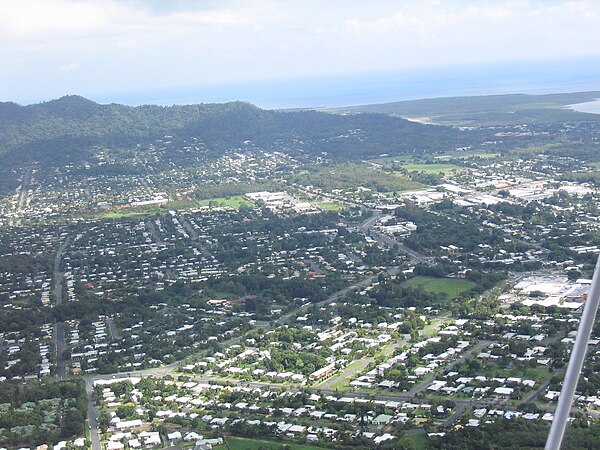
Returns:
<point x="236" y="443"/>
<point x="349" y="176"/>
<point x="471" y="154"/>
<point x="416" y="441"/>
<point x="221" y="294"/>
<point x="432" y="168"/>
<point x="123" y="213"/>
<point x="451" y="286"/>
<point x="329" y="205"/>
<point x="147" y="210"/>
<point x="236" y="201"/>
<point x="388" y="160"/>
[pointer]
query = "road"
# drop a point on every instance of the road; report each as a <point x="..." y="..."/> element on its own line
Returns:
<point x="24" y="189"/>
<point x="333" y="297"/>
<point x="350" y="371"/>
<point x="162" y="371"/>
<point x="415" y="257"/>
<point x="154" y="232"/>
<point x="87" y="191"/>
<point x="331" y="197"/>
<point x="425" y="383"/>
<point x="369" y="223"/>
<point x="194" y="236"/>
<point x="171" y="368"/>
<point x="146" y="184"/>
<point x="151" y="227"/>
<point x="59" y="328"/>
<point x="532" y="397"/>
<point x="359" y="366"/>
<point x="390" y="241"/>
<point x="462" y="405"/>
<point x="114" y="331"/>
<point x="92" y="416"/>
<point x="359" y="284"/>
<point x="61" y="365"/>
<point x="455" y="415"/>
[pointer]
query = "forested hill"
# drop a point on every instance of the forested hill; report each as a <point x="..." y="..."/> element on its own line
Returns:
<point x="59" y="127"/>
<point x="74" y="118"/>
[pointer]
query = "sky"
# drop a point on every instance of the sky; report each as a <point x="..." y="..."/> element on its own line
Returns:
<point x="289" y="52"/>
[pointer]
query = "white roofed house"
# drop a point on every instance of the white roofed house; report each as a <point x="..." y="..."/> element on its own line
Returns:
<point x="128" y="424"/>
<point x="114" y="445"/>
<point x="382" y="419"/>
<point x="504" y="391"/>
<point x="151" y="438"/>
<point x="192" y="436"/>
<point x="175" y="436"/>
<point x="296" y="429"/>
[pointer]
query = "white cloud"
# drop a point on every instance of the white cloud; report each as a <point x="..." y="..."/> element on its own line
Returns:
<point x="69" y="67"/>
<point x="39" y="17"/>
<point x="120" y="45"/>
<point x="476" y="32"/>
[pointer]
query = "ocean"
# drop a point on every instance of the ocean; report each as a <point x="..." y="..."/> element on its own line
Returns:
<point x="370" y="88"/>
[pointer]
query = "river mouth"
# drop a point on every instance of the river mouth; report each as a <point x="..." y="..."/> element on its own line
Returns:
<point x="592" y="107"/>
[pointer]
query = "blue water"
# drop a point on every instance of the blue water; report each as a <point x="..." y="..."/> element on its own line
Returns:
<point x="369" y="87"/>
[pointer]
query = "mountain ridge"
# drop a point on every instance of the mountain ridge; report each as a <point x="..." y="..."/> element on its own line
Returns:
<point x="77" y="117"/>
<point x="65" y="130"/>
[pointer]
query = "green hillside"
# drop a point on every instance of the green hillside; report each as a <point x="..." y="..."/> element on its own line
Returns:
<point x="487" y="109"/>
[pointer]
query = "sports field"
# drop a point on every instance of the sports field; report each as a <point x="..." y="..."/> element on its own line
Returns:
<point x="235" y="443"/>
<point x="453" y="287"/>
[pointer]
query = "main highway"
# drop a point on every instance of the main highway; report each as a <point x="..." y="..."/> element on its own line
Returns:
<point x="368" y="227"/>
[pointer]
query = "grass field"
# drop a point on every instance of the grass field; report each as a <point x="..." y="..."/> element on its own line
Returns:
<point x="236" y="443"/>
<point x="450" y="286"/>
<point x="389" y="160"/>
<point x="432" y="168"/>
<point x="415" y="441"/>
<point x="328" y="205"/>
<point x="221" y="294"/>
<point x="348" y="176"/>
<point x="472" y="154"/>
<point x="146" y="210"/>
<point x="236" y="201"/>
<point x="124" y="213"/>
